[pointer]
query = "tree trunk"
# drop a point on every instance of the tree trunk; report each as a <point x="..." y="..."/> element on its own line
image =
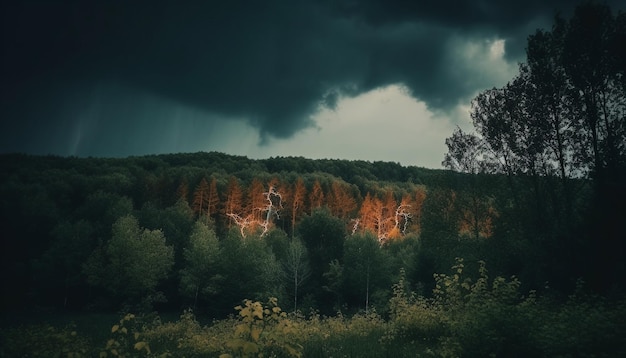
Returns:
<point x="367" y="288"/>
<point x="295" y="291"/>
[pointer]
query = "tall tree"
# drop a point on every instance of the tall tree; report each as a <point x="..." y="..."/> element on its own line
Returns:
<point x="373" y="217"/>
<point x="58" y="271"/>
<point x="201" y="198"/>
<point x="465" y="153"/>
<point x="198" y="276"/>
<point x="341" y="201"/>
<point x="592" y="62"/>
<point x="560" y="119"/>
<point x="206" y="199"/>
<point x="133" y="262"/>
<point x="316" y="197"/>
<point x="365" y="268"/>
<point x="182" y="192"/>
<point x="256" y="201"/>
<point x="234" y="199"/>
<point x="213" y="201"/>
<point x="297" y="202"/>
<point x="249" y="269"/>
<point x="323" y="235"/>
<point x="417" y="204"/>
<point x="296" y="268"/>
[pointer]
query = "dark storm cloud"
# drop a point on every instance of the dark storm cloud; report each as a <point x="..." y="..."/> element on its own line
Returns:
<point x="271" y="62"/>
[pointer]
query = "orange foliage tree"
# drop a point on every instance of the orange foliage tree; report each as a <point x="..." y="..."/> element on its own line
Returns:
<point x="182" y="192"/>
<point x="297" y="202"/>
<point x="341" y="202"/>
<point x="205" y="198"/>
<point x="416" y="210"/>
<point x="234" y="199"/>
<point x="256" y="201"/>
<point x="316" y="197"/>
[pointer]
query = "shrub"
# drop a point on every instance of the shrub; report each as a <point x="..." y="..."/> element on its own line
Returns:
<point x="263" y="329"/>
<point x="484" y="316"/>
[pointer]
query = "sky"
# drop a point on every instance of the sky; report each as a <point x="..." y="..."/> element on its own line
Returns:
<point x="377" y="80"/>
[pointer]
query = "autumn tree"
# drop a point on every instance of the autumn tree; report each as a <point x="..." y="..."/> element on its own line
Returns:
<point x="390" y="217"/>
<point x="316" y="196"/>
<point x="401" y="218"/>
<point x="182" y="192"/>
<point x="234" y="199"/>
<point x="341" y="201"/>
<point x="256" y="201"/>
<point x="375" y="217"/>
<point x="297" y="202"/>
<point x="286" y="193"/>
<point x="366" y="220"/>
<point x="206" y="199"/>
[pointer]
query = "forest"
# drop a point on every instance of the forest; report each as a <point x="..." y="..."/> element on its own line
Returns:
<point x="517" y="248"/>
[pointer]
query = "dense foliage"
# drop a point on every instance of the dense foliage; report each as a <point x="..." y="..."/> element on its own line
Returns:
<point x="558" y="132"/>
<point x="469" y="315"/>
<point x="102" y="234"/>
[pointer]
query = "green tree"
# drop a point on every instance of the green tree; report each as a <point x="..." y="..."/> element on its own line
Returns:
<point x="132" y="263"/>
<point x="365" y="269"/>
<point x="58" y="271"/>
<point x="465" y="153"/>
<point x="560" y="119"/>
<point x="296" y="268"/>
<point x="249" y="270"/>
<point x="323" y="235"/>
<point x="198" y="277"/>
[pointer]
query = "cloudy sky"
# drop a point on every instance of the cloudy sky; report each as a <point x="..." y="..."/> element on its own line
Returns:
<point x="373" y="80"/>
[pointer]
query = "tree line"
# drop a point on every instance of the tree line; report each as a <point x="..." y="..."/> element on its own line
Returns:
<point x="557" y="131"/>
<point x="110" y="233"/>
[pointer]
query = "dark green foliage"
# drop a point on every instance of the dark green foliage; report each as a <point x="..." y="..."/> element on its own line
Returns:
<point x="366" y="273"/>
<point x="199" y="278"/>
<point x="57" y="273"/>
<point x="323" y="235"/>
<point x="469" y="315"/>
<point x="557" y="132"/>
<point x="248" y="268"/>
<point x="132" y="263"/>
